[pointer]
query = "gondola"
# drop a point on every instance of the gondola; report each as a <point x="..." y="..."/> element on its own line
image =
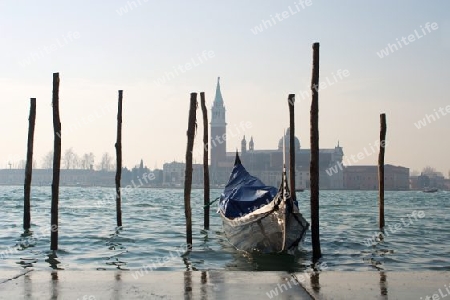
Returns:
<point x="257" y="217"/>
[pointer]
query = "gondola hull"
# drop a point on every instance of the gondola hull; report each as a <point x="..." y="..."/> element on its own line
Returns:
<point x="269" y="229"/>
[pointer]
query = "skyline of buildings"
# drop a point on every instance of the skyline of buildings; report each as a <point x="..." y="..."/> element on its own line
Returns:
<point x="266" y="164"/>
<point x="172" y="176"/>
<point x="335" y="170"/>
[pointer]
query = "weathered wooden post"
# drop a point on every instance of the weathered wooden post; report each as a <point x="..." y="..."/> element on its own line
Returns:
<point x="314" y="165"/>
<point x="29" y="167"/>
<point x="118" y="146"/>
<point x="381" y="169"/>
<point x="56" y="164"/>
<point x="192" y="124"/>
<point x="205" y="163"/>
<point x="291" y="101"/>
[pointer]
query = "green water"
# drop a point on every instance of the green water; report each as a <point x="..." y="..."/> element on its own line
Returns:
<point x="153" y="233"/>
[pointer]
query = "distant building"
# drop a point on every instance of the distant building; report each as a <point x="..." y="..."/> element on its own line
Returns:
<point x="414" y="182"/>
<point x="429" y="180"/>
<point x="71" y="177"/>
<point x="173" y="174"/>
<point x="267" y="164"/>
<point x="366" y="178"/>
<point x="138" y="177"/>
<point x="436" y="180"/>
<point x="447" y="184"/>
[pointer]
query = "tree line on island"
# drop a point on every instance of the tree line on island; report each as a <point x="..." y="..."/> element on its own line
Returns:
<point x="71" y="160"/>
<point x="139" y="175"/>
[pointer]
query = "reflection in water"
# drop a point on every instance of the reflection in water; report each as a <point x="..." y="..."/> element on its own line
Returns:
<point x="383" y="284"/>
<point x="205" y="237"/>
<point x="26" y="262"/>
<point x="243" y="261"/>
<point x="26" y="240"/>
<point x="375" y="256"/>
<point x="187" y="285"/>
<point x="204" y="287"/>
<point x="315" y="284"/>
<point x="52" y="260"/>
<point x="54" y="292"/>
<point x="27" y="287"/>
<point x="187" y="261"/>
<point x="116" y="246"/>
<point x="117" y="286"/>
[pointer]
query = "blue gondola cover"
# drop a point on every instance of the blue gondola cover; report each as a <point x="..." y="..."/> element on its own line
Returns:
<point x="244" y="193"/>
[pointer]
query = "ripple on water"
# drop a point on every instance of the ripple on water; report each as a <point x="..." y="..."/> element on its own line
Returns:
<point x="154" y="232"/>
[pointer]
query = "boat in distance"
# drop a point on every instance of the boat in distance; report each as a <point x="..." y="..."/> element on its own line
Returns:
<point x="430" y="190"/>
<point x="260" y="218"/>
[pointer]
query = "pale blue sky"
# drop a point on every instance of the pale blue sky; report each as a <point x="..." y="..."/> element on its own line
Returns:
<point x="130" y="51"/>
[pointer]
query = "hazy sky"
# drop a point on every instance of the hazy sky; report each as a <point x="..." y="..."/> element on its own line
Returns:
<point x="99" y="47"/>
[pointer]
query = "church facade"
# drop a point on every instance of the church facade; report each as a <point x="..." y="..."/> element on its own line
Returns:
<point x="266" y="164"/>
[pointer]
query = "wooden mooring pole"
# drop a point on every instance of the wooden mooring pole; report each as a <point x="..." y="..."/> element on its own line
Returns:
<point x="118" y="146"/>
<point x="29" y="167"/>
<point x="314" y="165"/>
<point x="381" y="169"/>
<point x="291" y="101"/>
<point x="206" y="192"/>
<point x="192" y="124"/>
<point x="56" y="164"/>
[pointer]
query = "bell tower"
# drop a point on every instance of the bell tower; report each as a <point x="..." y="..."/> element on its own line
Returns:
<point x="218" y="143"/>
<point x="243" y="145"/>
<point x="251" y="145"/>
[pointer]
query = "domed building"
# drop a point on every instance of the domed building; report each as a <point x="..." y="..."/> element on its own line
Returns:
<point x="286" y="139"/>
<point x="267" y="163"/>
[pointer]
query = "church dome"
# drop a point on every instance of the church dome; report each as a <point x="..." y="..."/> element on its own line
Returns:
<point x="287" y="137"/>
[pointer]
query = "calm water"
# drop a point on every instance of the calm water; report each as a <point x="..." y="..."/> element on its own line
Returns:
<point x="154" y="234"/>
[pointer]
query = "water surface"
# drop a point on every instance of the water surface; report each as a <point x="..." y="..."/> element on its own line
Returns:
<point x="153" y="233"/>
